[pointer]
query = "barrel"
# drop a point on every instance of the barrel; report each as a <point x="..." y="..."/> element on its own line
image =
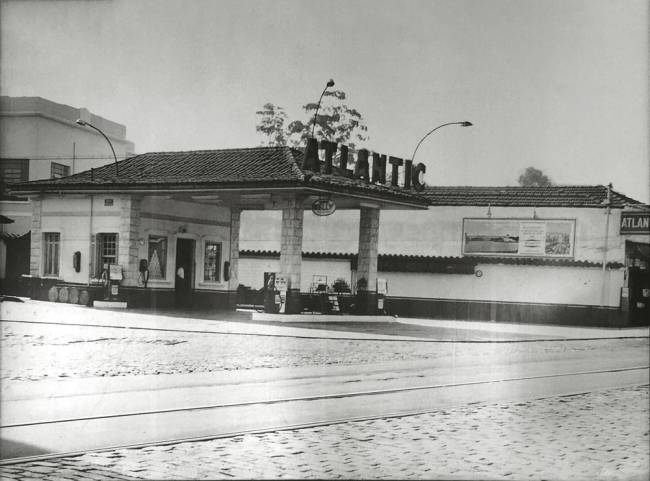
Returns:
<point x="64" y="294"/>
<point x="73" y="295"/>
<point x="53" y="294"/>
<point x="84" y="297"/>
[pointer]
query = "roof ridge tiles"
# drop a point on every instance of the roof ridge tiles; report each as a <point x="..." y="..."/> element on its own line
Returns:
<point x="228" y="149"/>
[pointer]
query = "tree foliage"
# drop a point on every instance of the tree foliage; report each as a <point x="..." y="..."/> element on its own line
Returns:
<point x="533" y="177"/>
<point x="271" y="124"/>
<point x="336" y="122"/>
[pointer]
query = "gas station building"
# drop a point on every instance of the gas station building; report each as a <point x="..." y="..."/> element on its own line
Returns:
<point x="162" y="228"/>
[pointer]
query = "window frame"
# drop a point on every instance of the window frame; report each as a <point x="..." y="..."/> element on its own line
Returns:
<point x="51" y="254"/>
<point x="56" y="165"/>
<point x="100" y="243"/>
<point x="22" y="166"/>
<point x="206" y="268"/>
<point x="163" y="258"/>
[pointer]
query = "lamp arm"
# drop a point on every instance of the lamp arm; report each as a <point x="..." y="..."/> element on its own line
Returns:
<point x="109" y="144"/>
<point x="317" y="108"/>
<point x="429" y="133"/>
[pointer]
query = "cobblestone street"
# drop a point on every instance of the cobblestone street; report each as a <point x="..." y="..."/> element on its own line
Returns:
<point x="49" y="351"/>
<point x="599" y="435"/>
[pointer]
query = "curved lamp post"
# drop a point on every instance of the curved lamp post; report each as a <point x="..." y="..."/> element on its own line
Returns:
<point x="330" y="83"/>
<point x="88" y="124"/>
<point x="462" y="124"/>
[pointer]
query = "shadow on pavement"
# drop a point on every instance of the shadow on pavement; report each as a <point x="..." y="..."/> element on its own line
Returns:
<point x="409" y="330"/>
<point x="15" y="449"/>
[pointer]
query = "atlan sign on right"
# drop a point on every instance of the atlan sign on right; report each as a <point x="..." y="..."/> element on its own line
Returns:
<point x="635" y="223"/>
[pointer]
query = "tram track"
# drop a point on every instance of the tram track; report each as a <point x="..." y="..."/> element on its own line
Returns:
<point x="324" y="408"/>
<point x="386" y="338"/>
<point x="340" y="395"/>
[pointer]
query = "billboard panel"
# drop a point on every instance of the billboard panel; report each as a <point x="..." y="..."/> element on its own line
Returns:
<point x="518" y="237"/>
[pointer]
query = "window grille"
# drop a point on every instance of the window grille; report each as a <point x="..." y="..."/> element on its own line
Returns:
<point x="212" y="261"/>
<point x="106" y="250"/>
<point x="51" y="242"/>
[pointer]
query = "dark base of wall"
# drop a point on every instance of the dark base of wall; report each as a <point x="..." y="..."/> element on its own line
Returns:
<point x="139" y="297"/>
<point x="524" y="313"/>
<point x="135" y="297"/>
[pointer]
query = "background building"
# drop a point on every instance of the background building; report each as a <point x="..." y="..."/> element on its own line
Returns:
<point x="529" y="254"/>
<point x="39" y="139"/>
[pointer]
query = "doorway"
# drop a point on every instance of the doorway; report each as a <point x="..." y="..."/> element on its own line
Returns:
<point x="637" y="260"/>
<point x="184" y="272"/>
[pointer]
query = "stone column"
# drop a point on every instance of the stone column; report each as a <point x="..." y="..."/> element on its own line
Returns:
<point x="127" y="251"/>
<point x="233" y="280"/>
<point x="36" y="239"/>
<point x="367" y="264"/>
<point x="291" y="252"/>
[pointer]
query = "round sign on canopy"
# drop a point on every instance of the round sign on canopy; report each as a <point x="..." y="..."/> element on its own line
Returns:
<point x="323" y="207"/>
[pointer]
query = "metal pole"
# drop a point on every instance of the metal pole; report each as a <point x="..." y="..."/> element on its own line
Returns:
<point x="330" y="83"/>
<point x="608" y="201"/>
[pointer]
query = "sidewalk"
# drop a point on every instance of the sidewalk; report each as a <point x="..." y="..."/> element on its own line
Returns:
<point x="307" y="326"/>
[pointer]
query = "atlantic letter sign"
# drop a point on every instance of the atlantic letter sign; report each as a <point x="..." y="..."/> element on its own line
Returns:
<point x="369" y="168"/>
<point x="635" y="223"/>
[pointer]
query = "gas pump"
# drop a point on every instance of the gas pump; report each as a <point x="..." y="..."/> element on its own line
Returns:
<point x="270" y="304"/>
<point x="382" y="292"/>
<point x="281" y="292"/>
<point x="114" y="279"/>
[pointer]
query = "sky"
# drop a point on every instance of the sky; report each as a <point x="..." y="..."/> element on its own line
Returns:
<point x="561" y="85"/>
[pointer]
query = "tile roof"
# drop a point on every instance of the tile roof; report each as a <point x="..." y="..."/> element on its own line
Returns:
<point x="552" y="196"/>
<point x="226" y="166"/>
<point x="243" y="167"/>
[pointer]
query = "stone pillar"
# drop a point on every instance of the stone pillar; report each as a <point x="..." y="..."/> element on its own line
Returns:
<point x="367" y="264"/>
<point x="36" y="240"/>
<point x="291" y="252"/>
<point x="233" y="280"/>
<point x="127" y="251"/>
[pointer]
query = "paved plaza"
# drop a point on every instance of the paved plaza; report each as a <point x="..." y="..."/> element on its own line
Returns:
<point x="598" y="435"/>
<point x="34" y="351"/>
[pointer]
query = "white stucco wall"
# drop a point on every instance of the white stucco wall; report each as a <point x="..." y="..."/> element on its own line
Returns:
<point x="339" y="233"/>
<point x="70" y="216"/>
<point x="499" y="282"/>
<point x="434" y="232"/>
<point x="438" y="232"/>
<point x="513" y="283"/>
<point x="252" y="269"/>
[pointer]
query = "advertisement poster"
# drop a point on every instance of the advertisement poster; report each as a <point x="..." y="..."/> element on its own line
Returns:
<point x="518" y="237"/>
<point x="532" y="238"/>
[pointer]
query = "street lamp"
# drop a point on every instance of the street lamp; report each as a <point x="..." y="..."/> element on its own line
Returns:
<point x="330" y="83"/>
<point x="88" y="124"/>
<point x="462" y="124"/>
